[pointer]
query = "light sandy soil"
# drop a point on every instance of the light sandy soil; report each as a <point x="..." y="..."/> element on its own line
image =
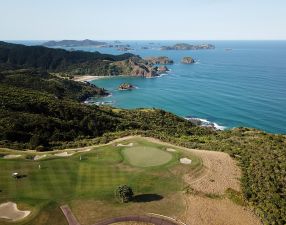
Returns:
<point x="171" y="150"/>
<point x="122" y="145"/>
<point x="185" y="161"/>
<point x="10" y="211"/>
<point x="64" y="154"/>
<point x="207" y="211"/>
<point x="11" y="156"/>
<point x="38" y="157"/>
<point x="86" y="78"/>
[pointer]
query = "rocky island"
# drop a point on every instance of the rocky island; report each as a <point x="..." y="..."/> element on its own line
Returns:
<point x="125" y="86"/>
<point x="185" y="46"/>
<point x="73" y="43"/>
<point x="187" y="60"/>
<point x="163" y="60"/>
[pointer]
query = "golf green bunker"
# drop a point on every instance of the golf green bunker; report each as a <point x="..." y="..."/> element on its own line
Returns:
<point x="146" y="156"/>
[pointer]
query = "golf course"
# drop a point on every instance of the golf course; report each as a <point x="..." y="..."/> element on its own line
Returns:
<point x="86" y="180"/>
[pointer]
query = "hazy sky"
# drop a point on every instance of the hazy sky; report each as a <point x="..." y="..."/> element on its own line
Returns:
<point x="142" y="19"/>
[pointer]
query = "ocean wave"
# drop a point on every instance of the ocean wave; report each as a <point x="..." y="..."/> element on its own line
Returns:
<point x="205" y="123"/>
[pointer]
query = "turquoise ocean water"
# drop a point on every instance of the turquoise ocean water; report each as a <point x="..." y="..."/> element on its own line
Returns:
<point x="245" y="86"/>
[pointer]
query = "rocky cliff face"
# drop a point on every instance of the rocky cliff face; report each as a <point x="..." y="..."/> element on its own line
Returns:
<point x="135" y="66"/>
<point x="163" y="60"/>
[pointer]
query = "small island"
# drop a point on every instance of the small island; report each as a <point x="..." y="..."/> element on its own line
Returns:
<point x="187" y="60"/>
<point x="185" y="46"/>
<point x="125" y="86"/>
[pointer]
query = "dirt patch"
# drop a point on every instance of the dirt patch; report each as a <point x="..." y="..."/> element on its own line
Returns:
<point x="206" y="211"/>
<point x="11" y="156"/>
<point x="10" y="211"/>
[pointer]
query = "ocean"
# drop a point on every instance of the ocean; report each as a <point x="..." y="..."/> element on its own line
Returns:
<point x="239" y="83"/>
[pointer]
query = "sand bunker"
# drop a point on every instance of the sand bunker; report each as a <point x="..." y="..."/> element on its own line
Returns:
<point x="63" y="154"/>
<point x="122" y="145"/>
<point x="10" y="211"/>
<point x="11" y="156"/>
<point x="38" y="157"/>
<point x="185" y="161"/>
<point x="171" y="150"/>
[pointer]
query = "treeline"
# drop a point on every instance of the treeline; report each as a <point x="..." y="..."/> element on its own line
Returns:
<point x="55" y="60"/>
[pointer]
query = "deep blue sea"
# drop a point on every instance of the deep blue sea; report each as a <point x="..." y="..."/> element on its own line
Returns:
<point x="245" y="86"/>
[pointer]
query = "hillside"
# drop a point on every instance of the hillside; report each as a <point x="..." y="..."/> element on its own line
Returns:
<point x="69" y="63"/>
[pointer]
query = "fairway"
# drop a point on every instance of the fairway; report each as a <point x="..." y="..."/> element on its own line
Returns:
<point x="146" y="156"/>
<point x="145" y="166"/>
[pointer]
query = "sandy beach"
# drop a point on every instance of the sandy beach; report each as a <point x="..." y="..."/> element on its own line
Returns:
<point x="87" y="78"/>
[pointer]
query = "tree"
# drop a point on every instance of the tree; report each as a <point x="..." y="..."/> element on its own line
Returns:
<point x="125" y="193"/>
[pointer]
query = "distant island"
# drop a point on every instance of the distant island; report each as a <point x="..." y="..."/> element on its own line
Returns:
<point x="185" y="46"/>
<point x="73" y="43"/>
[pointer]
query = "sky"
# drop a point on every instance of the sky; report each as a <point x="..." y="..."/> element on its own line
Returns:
<point x="143" y="19"/>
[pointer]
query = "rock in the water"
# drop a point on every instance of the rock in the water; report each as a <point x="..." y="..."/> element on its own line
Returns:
<point x="125" y="86"/>
<point x="187" y="60"/>
<point x="162" y="69"/>
<point x="163" y="60"/>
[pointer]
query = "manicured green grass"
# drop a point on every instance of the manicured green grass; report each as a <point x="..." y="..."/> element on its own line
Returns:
<point x="146" y="156"/>
<point x="95" y="176"/>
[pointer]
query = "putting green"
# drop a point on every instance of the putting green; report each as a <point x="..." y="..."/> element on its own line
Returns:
<point x="146" y="156"/>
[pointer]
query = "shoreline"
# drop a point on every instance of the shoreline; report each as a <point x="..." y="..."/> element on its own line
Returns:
<point x="88" y="78"/>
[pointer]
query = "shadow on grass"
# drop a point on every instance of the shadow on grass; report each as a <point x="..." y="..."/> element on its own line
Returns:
<point x="147" y="198"/>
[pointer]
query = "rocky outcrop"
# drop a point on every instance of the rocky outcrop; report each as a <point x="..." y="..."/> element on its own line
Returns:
<point x="163" y="60"/>
<point x="125" y="86"/>
<point x="135" y="66"/>
<point x="187" y="60"/>
<point x="184" y="46"/>
<point x="162" y="69"/>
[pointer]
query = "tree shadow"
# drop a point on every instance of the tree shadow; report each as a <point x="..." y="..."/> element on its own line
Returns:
<point x="147" y="198"/>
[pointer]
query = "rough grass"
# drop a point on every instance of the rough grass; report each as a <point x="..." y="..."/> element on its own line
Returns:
<point x="94" y="177"/>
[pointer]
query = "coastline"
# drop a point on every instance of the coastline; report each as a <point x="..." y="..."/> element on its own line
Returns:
<point x="88" y="78"/>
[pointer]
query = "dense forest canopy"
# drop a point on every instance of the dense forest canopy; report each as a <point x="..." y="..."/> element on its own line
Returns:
<point x="56" y="60"/>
